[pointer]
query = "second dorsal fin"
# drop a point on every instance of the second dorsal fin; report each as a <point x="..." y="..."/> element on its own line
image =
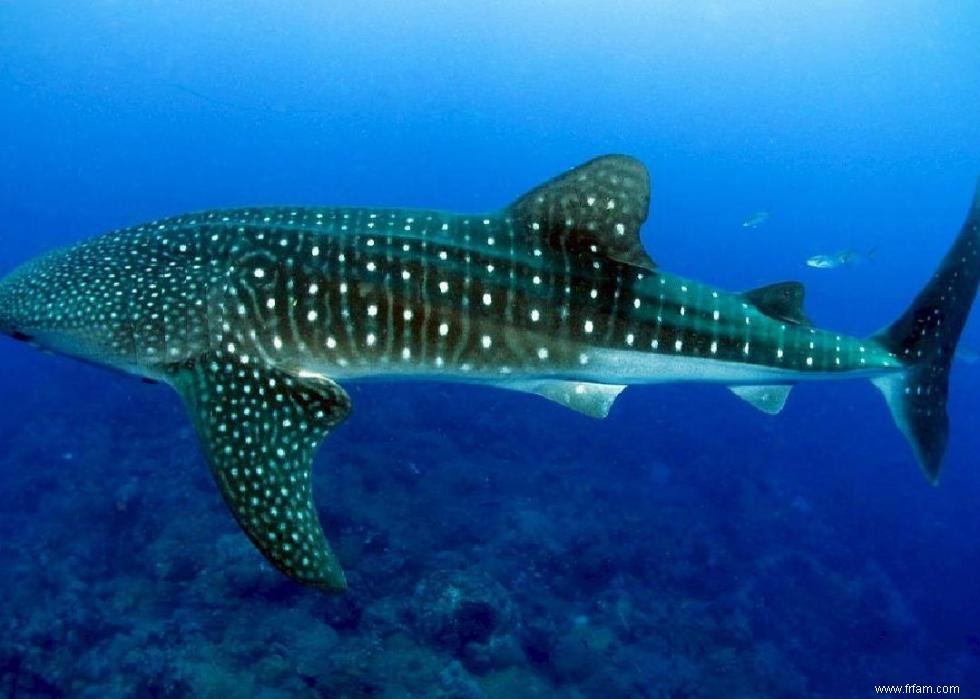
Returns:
<point x="596" y="208"/>
<point x="782" y="301"/>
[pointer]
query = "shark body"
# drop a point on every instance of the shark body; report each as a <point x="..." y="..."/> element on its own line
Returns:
<point x="254" y="316"/>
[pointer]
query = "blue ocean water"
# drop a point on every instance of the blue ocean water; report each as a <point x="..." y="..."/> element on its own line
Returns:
<point x="496" y="544"/>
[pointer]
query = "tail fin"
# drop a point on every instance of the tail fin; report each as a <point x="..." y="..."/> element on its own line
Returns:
<point x="925" y="338"/>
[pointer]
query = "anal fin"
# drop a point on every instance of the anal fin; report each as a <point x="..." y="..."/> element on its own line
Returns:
<point x="768" y="399"/>
<point x="260" y="428"/>
<point x="592" y="399"/>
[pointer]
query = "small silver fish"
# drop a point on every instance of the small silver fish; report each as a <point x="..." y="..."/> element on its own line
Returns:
<point x="842" y="258"/>
<point x="756" y="219"/>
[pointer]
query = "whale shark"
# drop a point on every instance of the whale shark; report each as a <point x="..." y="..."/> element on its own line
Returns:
<point x="257" y="316"/>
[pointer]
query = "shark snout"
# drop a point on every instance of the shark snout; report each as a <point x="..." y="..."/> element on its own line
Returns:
<point x="13" y="293"/>
<point x="62" y="303"/>
<point x="7" y="325"/>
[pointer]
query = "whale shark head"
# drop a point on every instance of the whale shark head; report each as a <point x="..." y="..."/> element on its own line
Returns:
<point x="12" y="323"/>
<point x="56" y="304"/>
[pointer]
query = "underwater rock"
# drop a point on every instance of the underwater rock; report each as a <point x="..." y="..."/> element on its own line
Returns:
<point x="343" y="612"/>
<point x="392" y="668"/>
<point x="384" y="617"/>
<point x="778" y="672"/>
<point x="456" y="683"/>
<point x="538" y="639"/>
<point x="454" y="608"/>
<point x="592" y="559"/>
<point x="581" y="651"/>
<point x="517" y="683"/>
<point x="313" y="650"/>
<point x="496" y="654"/>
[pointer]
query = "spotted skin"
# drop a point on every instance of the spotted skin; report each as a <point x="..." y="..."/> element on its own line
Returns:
<point x="925" y="338"/>
<point x="353" y="292"/>
<point x="260" y="428"/>
<point x="253" y="314"/>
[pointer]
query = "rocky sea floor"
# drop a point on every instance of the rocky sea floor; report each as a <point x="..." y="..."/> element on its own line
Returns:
<point x="501" y="548"/>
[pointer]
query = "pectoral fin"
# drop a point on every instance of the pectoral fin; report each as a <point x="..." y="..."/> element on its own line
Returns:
<point x="260" y="428"/>
<point x="768" y="399"/>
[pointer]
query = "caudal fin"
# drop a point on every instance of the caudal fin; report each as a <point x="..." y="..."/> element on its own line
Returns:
<point x="925" y="338"/>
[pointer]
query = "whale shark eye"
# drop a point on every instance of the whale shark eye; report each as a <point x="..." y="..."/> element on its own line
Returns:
<point x="21" y="337"/>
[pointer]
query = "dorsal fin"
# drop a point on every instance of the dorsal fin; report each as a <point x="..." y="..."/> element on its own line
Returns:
<point x="782" y="301"/>
<point x="595" y="208"/>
